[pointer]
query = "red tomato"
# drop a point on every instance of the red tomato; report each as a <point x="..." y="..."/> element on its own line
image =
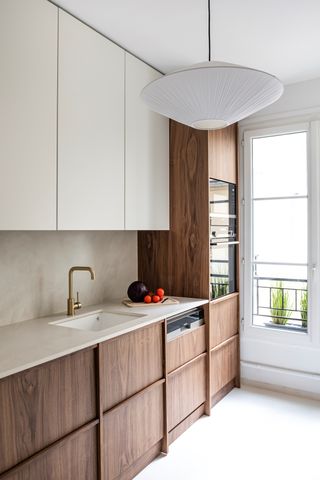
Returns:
<point x="160" y="292"/>
<point x="156" y="298"/>
<point x="147" y="299"/>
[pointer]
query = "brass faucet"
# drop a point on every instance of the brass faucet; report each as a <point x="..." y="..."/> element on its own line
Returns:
<point x="72" y="304"/>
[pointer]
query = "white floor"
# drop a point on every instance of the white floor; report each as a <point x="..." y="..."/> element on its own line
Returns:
<point x="251" y="435"/>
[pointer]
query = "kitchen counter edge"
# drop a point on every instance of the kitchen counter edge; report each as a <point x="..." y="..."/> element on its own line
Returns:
<point x="34" y="342"/>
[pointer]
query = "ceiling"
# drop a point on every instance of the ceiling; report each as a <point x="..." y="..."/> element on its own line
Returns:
<point x="279" y="36"/>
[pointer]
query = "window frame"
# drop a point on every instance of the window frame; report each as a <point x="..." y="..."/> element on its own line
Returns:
<point x="313" y="152"/>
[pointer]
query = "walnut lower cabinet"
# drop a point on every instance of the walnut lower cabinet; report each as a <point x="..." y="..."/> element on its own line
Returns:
<point x="132" y="397"/>
<point x="186" y="363"/>
<point x="41" y="405"/>
<point x="74" y="459"/>
<point x="224" y="364"/>
<point x="130" y="363"/>
<point x="107" y="411"/>
<point x="186" y="347"/>
<point x="224" y="345"/>
<point x="186" y="390"/>
<point x="131" y="430"/>
<point x="97" y="414"/>
<point x="224" y="319"/>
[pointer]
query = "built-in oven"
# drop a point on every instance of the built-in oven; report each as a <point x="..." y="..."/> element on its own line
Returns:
<point x="223" y="238"/>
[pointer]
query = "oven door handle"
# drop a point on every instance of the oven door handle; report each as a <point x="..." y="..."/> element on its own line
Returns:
<point x="223" y="244"/>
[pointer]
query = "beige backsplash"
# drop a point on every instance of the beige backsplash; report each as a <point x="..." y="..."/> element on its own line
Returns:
<point x="34" y="267"/>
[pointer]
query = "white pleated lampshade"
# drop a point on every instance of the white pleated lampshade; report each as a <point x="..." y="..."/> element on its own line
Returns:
<point x="212" y="95"/>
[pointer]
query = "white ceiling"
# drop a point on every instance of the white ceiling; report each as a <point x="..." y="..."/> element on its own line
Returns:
<point x="279" y="36"/>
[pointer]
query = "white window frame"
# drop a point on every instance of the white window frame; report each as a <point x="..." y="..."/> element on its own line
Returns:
<point x="313" y="155"/>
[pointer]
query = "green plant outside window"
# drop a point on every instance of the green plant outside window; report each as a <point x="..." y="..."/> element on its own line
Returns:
<point x="220" y="287"/>
<point x="304" y="307"/>
<point x="280" y="305"/>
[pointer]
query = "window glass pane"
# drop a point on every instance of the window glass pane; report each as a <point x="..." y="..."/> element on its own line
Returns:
<point x="280" y="230"/>
<point x="280" y="297"/>
<point x="280" y="165"/>
<point x="281" y="272"/>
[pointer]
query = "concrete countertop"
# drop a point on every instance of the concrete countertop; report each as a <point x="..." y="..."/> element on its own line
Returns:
<point x="27" y="344"/>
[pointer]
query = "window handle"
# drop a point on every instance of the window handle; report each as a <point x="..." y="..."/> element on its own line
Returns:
<point x="255" y="266"/>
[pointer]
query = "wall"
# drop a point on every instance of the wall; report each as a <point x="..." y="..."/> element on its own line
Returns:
<point x="297" y="99"/>
<point x="286" y="361"/>
<point x="34" y="267"/>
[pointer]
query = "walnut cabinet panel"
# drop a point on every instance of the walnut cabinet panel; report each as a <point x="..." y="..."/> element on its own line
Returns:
<point x="130" y="363"/>
<point x="224" y="319"/>
<point x="132" y="429"/>
<point x="222" y="153"/>
<point x="178" y="260"/>
<point x="41" y="405"/>
<point x="186" y="390"/>
<point x="75" y="459"/>
<point x="186" y="347"/>
<point x="224" y="364"/>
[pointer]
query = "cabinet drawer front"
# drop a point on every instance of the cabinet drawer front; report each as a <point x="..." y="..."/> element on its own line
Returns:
<point x="185" y="348"/>
<point x="224" y="320"/>
<point x="131" y="429"/>
<point x="41" y="405"/>
<point x="186" y="390"/>
<point x="224" y="365"/>
<point x="130" y="363"/>
<point x="74" y="459"/>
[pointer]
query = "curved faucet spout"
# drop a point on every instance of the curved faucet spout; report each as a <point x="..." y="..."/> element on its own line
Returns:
<point x="72" y="305"/>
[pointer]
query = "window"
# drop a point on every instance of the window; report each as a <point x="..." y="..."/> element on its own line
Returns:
<point x="278" y="230"/>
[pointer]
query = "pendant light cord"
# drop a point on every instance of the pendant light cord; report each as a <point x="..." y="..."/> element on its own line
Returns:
<point x="209" y="29"/>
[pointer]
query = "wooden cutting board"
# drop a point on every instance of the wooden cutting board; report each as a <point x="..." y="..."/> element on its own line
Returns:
<point x="170" y="301"/>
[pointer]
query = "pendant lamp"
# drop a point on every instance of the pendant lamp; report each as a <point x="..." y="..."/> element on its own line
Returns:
<point x="212" y="95"/>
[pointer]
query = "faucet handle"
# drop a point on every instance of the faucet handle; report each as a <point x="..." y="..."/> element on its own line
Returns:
<point x="77" y="304"/>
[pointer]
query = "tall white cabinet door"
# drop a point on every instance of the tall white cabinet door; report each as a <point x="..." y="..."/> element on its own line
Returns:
<point x="28" y="99"/>
<point x="90" y="129"/>
<point x="147" y="155"/>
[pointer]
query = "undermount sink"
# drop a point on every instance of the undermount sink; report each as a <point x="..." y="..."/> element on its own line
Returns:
<point x="98" y="321"/>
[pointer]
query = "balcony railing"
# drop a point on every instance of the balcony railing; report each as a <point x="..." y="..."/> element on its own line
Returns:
<point x="280" y="303"/>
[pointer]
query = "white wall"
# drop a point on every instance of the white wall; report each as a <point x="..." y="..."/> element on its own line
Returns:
<point x="271" y="359"/>
<point x="34" y="268"/>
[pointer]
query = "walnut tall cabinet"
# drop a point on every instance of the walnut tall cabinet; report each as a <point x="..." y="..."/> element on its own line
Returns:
<point x="179" y="260"/>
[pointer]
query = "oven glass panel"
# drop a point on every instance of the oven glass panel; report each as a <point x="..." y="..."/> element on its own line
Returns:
<point x="223" y="238"/>
<point x="222" y="270"/>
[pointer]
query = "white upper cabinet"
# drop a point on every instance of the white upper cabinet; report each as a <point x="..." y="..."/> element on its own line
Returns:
<point x="79" y="150"/>
<point x="146" y="155"/>
<point x="28" y="99"/>
<point x="90" y="129"/>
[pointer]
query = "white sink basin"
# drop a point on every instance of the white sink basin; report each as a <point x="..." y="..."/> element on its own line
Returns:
<point x="98" y="321"/>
